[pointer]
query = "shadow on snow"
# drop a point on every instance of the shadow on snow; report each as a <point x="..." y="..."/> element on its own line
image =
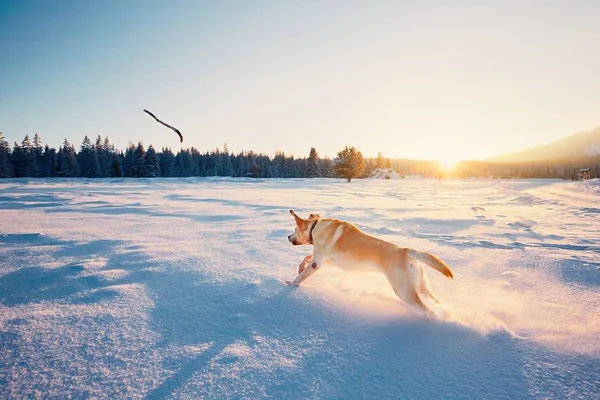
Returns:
<point x="336" y="357"/>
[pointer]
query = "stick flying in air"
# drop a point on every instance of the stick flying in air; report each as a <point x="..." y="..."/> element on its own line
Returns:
<point x="167" y="125"/>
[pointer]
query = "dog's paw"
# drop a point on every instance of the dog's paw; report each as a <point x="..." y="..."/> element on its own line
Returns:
<point x="290" y="283"/>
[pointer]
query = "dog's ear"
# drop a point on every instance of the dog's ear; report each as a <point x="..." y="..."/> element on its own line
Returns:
<point x="299" y="221"/>
<point x="314" y="216"/>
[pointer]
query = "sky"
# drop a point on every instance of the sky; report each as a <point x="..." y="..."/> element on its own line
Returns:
<point x="426" y="80"/>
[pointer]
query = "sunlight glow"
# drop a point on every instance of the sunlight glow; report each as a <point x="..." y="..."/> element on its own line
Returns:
<point x="448" y="163"/>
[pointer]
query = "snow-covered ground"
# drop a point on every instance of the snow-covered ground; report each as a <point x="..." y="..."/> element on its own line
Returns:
<point x="172" y="288"/>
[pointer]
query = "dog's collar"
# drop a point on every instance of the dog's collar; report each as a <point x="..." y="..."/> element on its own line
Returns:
<point x="312" y="228"/>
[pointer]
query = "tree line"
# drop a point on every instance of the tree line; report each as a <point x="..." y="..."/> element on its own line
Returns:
<point x="101" y="159"/>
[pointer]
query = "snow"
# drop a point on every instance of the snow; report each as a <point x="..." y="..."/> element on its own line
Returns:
<point x="172" y="288"/>
<point x="384" y="173"/>
<point x="588" y="186"/>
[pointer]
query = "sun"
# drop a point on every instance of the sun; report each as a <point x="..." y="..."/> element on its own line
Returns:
<point x="448" y="163"/>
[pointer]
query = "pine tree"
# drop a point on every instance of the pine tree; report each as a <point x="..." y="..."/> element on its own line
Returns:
<point x="255" y="170"/>
<point x="48" y="164"/>
<point x="151" y="163"/>
<point x="294" y="168"/>
<point x="106" y="157"/>
<point x="349" y="163"/>
<point x="225" y="163"/>
<point x="103" y="155"/>
<point x="116" y="169"/>
<point x="23" y="158"/>
<point x="240" y="164"/>
<point x="264" y="162"/>
<point x="35" y="156"/>
<point x="68" y="166"/>
<point x="139" y="162"/>
<point x="26" y="143"/>
<point x="183" y="163"/>
<point x="166" y="160"/>
<point x="194" y="159"/>
<point x="128" y="161"/>
<point x="6" y="169"/>
<point x="278" y="165"/>
<point x="74" y="169"/>
<point x="19" y="160"/>
<point x="326" y="167"/>
<point x="312" y="164"/>
<point x="88" y="159"/>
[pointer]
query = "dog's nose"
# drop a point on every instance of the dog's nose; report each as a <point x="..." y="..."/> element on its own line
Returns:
<point x="289" y="237"/>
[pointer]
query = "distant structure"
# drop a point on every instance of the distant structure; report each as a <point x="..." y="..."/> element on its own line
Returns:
<point x="584" y="173"/>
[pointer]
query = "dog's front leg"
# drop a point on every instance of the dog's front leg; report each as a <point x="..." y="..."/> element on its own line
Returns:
<point x="307" y="271"/>
<point x="304" y="263"/>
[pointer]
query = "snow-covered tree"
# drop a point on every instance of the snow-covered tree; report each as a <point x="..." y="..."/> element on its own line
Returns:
<point x="312" y="165"/>
<point x="278" y="167"/>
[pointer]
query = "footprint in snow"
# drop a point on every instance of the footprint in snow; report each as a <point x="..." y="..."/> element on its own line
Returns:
<point x="519" y="225"/>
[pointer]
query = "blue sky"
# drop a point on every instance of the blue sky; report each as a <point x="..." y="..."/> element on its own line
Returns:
<point x="435" y="80"/>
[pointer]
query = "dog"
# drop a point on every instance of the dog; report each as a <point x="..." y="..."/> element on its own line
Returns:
<point x="343" y="244"/>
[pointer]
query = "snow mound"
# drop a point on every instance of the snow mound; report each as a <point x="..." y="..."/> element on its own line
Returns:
<point x="384" y="173"/>
<point x="590" y="186"/>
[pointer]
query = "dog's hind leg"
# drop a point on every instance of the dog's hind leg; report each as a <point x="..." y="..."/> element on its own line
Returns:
<point x="424" y="287"/>
<point x="405" y="289"/>
<point x="416" y="301"/>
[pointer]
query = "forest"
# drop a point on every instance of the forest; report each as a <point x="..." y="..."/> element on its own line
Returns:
<point x="99" y="158"/>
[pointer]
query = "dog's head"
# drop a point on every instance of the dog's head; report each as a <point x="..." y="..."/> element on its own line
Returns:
<point x="301" y="234"/>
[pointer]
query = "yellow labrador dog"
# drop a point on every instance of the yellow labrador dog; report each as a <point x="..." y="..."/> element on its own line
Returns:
<point x="346" y="246"/>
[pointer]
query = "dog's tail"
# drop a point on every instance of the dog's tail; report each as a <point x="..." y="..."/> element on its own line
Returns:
<point x="430" y="260"/>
